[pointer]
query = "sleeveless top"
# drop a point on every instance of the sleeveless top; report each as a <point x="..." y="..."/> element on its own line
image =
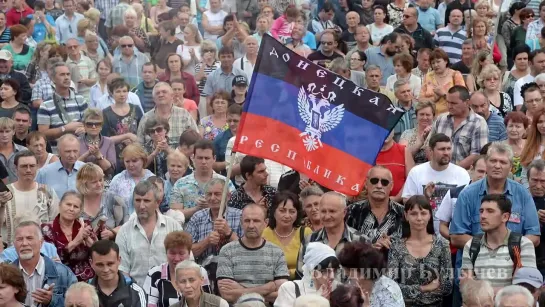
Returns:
<point x="394" y="160"/>
<point x="214" y="19"/>
<point x="49" y="156"/>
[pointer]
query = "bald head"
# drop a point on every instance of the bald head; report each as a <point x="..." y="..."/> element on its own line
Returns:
<point x="479" y="104"/>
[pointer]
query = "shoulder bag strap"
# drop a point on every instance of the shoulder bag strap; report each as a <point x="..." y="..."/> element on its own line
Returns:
<point x="474" y="248"/>
<point x="297" y="290"/>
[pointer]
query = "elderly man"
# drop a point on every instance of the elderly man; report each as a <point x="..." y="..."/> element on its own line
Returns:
<point x="349" y="35"/>
<point x="141" y="239"/>
<point x="46" y="280"/>
<point x="239" y="260"/>
<point x="82" y="294"/>
<point x="66" y="26"/>
<point x="222" y="78"/>
<point x="64" y="112"/>
<point x="207" y="227"/>
<point x="480" y="104"/>
<point x="61" y="175"/>
<point x="404" y="95"/>
<point x="373" y="77"/>
<point x="536" y="182"/>
<point x="422" y="38"/>
<point x="178" y="119"/>
<point x="247" y="62"/>
<point x="8" y="148"/>
<point x="514" y="295"/>
<point x="129" y="62"/>
<point x="82" y="69"/>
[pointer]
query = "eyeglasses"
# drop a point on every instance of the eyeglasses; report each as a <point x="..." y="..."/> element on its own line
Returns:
<point x="327" y="43"/>
<point x="407" y="16"/>
<point x="208" y="50"/>
<point x="156" y="130"/>
<point x="537" y="100"/>
<point x="383" y="182"/>
<point x="93" y="124"/>
<point x="72" y="47"/>
<point x="127" y="46"/>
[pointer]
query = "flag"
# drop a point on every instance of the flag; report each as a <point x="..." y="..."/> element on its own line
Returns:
<point x="304" y="116"/>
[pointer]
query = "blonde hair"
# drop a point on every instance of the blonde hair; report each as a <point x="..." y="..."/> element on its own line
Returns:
<point x="138" y="8"/>
<point x="7" y="123"/>
<point x="93" y="14"/>
<point x="482" y="3"/>
<point x="86" y="173"/>
<point x="135" y="151"/>
<point x="129" y="12"/>
<point x="92" y="113"/>
<point x="487" y="72"/>
<point x="206" y="44"/>
<point x="176" y="155"/>
<point x="84" y="24"/>
<point x="195" y="30"/>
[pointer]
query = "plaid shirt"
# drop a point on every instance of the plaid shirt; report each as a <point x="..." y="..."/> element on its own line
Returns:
<point x="361" y="218"/>
<point x="468" y="138"/>
<point x="43" y="89"/>
<point x="201" y="225"/>
<point x="33" y="72"/>
<point x="187" y="190"/>
<point x="105" y="6"/>
<point x="132" y="70"/>
<point x="115" y="18"/>
<point x="240" y="198"/>
<point x="406" y="122"/>
<point x="180" y="120"/>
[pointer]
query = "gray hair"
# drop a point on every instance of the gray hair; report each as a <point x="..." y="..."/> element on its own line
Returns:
<point x="540" y="77"/>
<point x="311" y="190"/>
<point x="212" y="182"/>
<point x="79" y="287"/>
<point x="399" y="83"/>
<point x="511" y="291"/>
<point x="342" y="197"/>
<point x="500" y="148"/>
<point x="476" y="290"/>
<point x="25" y="219"/>
<point x="130" y="12"/>
<point x="468" y="42"/>
<point x="371" y="68"/>
<point x="159" y="84"/>
<point x="311" y="300"/>
<point x="72" y="193"/>
<point x="539" y="165"/>
<point x="143" y="187"/>
<point x="188" y="265"/>
<point x="339" y="65"/>
<point x="250" y="300"/>
<point x="57" y="65"/>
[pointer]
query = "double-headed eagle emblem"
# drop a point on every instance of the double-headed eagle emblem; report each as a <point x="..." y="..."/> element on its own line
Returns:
<point x="315" y="110"/>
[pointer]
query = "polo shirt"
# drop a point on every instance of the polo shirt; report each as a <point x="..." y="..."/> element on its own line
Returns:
<point x="386" y="64"/>
<point x="55" y="176"/>
<point x="13" y="16"/>
<point x="451" y="42"/>
<point x="496" y="128"/>
<point x="429" y="19"/>
<point x="218" y="80"/>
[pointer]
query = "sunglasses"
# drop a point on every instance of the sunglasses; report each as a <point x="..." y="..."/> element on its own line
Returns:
<point x="327" y="43"/>
<point x="93" y="124"/>
<point x="383" y="182"/>
<point x="156" y="130"/>
<point x="72" y="47"/>
<point x="127" y="46"/>
<point x="4" y="1"/>
<point x="208" y="50"/>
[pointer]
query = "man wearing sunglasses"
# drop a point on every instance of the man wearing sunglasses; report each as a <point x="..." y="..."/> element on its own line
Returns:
<point x="422" y="38"/>
<point x="326" y="53"/>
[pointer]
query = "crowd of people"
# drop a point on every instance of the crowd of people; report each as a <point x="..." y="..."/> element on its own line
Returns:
<point x="118" y="121"/>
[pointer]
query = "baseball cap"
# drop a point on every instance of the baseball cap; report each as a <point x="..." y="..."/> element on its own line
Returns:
<point x="528" y="275"/>
<point x="240" y="80"/>
<point x="5" y="55"/>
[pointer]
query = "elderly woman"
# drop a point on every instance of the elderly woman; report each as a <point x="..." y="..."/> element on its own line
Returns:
<point x="285" y="230"/>
<point x="320" y="266"/>
<point x="516" y="123"/>
<point x="20" y="51"/>
<point x="174" y="70"/>
<point x="403" y="66"/>
<point x="94" y="48"/>
<point x="72" y="236"/>
<point x="38" y="65"/>
<point x="12" y="286"/>
<point x="105" y="211"/>
<point x="208" y="64"/>
<point x="212" y="125"/>
<point x="489" y="79"/>
<point x="477" y="293"/>
<point x="190" y="281"/>
<point x="146" y="24"/>
<point x="157" y="147"/>
<point x="94" y="147"/>
<point x="134" y="159"/>
<point x="177" y="165"/>
<point x="161" y="284"/>
<point x="191" y="49"/>
<point x="139" y="36"/>
<point x="310" y="198"/>
<point x="415" y="138"/>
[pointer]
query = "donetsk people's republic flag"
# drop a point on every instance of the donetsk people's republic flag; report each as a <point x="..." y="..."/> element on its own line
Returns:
<point x="312" y="120"/>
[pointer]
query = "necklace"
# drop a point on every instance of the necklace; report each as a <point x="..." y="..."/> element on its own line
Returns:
<point x="92" y="142"/>
<point x="284" y="237"/>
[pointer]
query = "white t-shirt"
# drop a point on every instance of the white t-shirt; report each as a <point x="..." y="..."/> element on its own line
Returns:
<point x="378" y="33"/>
<point x="183" y="51"/>
<point x="517" y="97"/>
<point x="420" y="175"/>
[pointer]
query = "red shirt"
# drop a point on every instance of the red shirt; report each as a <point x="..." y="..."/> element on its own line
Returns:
<point x="394" y="160"/>
<point x="13" y="16"/>
<point x="191" y="89"/>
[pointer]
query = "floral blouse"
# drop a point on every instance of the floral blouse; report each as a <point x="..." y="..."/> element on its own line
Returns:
<point x="386" y="292"/>
<point x="430" y="81"/>
<point x="411" y="136"/>
<point x="79" y="259"/>
<point x="123" y="185"/>
<point x="211" y="131"/>
<point x="396" y="14"/>
<point x="141" y="34"/>
<point x="410" y="273"/>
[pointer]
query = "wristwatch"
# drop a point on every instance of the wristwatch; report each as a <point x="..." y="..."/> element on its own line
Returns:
<point x="63" y="129"/>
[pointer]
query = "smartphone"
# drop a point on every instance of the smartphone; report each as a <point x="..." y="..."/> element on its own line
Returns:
<point x="3" y="187"/>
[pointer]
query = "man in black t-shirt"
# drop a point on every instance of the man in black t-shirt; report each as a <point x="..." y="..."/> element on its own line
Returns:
<point x="326" y="53"/>
<point x="463" y="66"/>
<point x="536" y="186"/>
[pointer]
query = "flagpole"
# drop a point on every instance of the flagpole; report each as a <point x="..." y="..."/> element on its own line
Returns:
<point x="226" y="186"/>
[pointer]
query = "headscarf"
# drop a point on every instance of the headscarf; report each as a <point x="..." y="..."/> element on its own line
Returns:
<point x="316" y="252"/>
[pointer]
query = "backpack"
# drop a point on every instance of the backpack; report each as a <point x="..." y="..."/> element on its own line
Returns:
<point x="513" y="244"/>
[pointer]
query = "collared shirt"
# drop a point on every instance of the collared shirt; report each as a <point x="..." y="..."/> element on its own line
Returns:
<point x="496" y="128"/>
<point x="44" y="89"/>
<point x="239" y="199"/>
<point x="33" y="280"/>
<point x="451" y="42"/>
<point x="361" y="218"/>
<point x="115" y="15"/>
<point x="200" y="225"/>
<point x="376" y="57"/>
<point x="66" y="28"/>
<point x="105" y="6"/>
<point x="95" y="93"/>
<point x="468" y="138"/>
<point x="187" y="190"/>
<point x="534" y="29"/>
<point x="406" y="122"/>
<point x="138" y="254"/>
<point x="218" y="80"/>
<point x="523" y="219"/>
<point x="13" y="15"/>
<point x="56" y="177"/>
<point x="10" y="254"/>
<point x="180" y="120"/>
<point x="132" y="70"/>
<point x="106" y="100"/>
<point x="9" y="162"/>
<point x="123" y="185"/>
<point x="85" y="70"/>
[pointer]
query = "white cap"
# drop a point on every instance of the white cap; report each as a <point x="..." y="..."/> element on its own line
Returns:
<point x="5" y="55"/>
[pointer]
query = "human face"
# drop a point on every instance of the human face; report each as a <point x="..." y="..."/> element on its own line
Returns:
<point x="190" y="283"/>
<point x="352" y="19"/>
<point x="456" y="17"/>
<point x="379" y="184"/>
<point x="526" y="21"/>
<point x="492" y="217"/>
<point x="22" y="122"/>
<point x="240" y="90"/>
<point x="439" y="65"/>
<point x="268" y="12"/>
<point x="379" y="15"/>
<point x="184" y="19"/>
<point x="442" y="153"/>
<point x="176" y="255"/>
<point x="533" y="100"/>
<point x="145" y="205"/>
<point x="157" y="133"/>
<point x="467" y="51"/>
<point x="541" y="85"/>
<point x="7" y="92"/>
<point x="423" y="60"/>
<point x="213" y="196"/>
<point x="521" y="61"/>
<point x="285" y="214"/>
<point x="251" y="46"/>
<point x="38" y="147"/>
<point x="27" y="242"/>
<point x="178" y="90"/>
<point x="260" y="175"/>
<point x="78" y="299"/>
<point x="3" y="16"/>
<point x="515" y="131"/>
<point x="126" y="46"/>
<point x="328" y="43"/>
<point x="332" y="211"/>
<point x="539" y="63"/>
<point x="120" y="94"/>
<point x="542" y="13"/>
<point x="105" y="266"/>
<point x="492" y="82"/>
<point x="176" y="169"/>
<point x="62" y="77"/>
<point x="425" y="117"/>
<point x="69" y="151"/>
<point x="130" y="21"/>
<point x="355" y="62"/>
<point x="69" y="7"/>
<point x="5" y="66"/>
<point x="104" y="70"/>
<point x="219" y="105"/>
<point x="311" y="205"/>
<point x="373" y="78"/>
<point x="367" y="4"/>
<point x="6" y="136"/>
<point x="323" y="277"/>
<point x="253" y="222"/>
<point x="215" y="4"/>
<point x="134" y="166"/>
<point x="203" y="160"/>
<point x="404" y="93"/>
<point x="70" y="208"/>
<point x="297" y="33"/>
<point x="162" y="95"/>
<point x="189" y="34"/>
<point x="479" y="171"/>
<point x="174" y="63"/>
<point x="479" y="29"/>
<point x="362" y="35"/>
<point x="536" y="182"/>
<point x="7" y="294"/>
<point x="186" y="150"/>
<point x="226" y="61"/>
<point x="409" y="17"/>
<point x="498" y="166"/>
<point x="148" y="74"/>
<point x="482" y="10"/>
<point x="480" y="105"/>
<point x="233" y="120"/>
<point x="73" y="47"/>
<point x="27" y="168"/>
<point x="541" y="125"/>
<point x="418" y="218"/>
<point x="262" y="25"/>
<point x="456" y="106"/>
<point x="95" y="186"/>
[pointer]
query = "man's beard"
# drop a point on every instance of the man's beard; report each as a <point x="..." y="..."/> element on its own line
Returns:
<point x="390" y="53"/>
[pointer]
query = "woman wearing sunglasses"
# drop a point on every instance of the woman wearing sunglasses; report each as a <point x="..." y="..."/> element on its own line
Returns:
<point x="94" y="147"/>
<point x="157" y="148"/>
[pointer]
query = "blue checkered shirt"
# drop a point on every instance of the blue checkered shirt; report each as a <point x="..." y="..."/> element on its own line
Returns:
<point x="105" y="6"/>
<point x="496" y="128"/>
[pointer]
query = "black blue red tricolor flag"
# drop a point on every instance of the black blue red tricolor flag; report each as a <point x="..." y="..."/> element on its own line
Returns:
<point x="306" y="117"/>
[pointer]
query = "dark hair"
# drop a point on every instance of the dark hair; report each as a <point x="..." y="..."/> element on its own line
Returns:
<point x="146" y="64"/>
<point x="291" y="11"/>
<point x="169" y="26"/>
<point x="35" y="136"/>
<point x="362" y="55"/>
<point x="522" y="48"/>
<point x="39" y="5"/>
<point x="484" y="150"/>
<point x="104" y="247"/>
<point x="346" y="296"/>
<point x="234" y="109"/>
<point x="203" y="144"/>
<point x="461" y="90"/>
<point x="406" y="61"/>
<point x="84" y="4"/>
<point x="528" y="87"/>
<point x="535" y="52"/>
<point x="422" y="203"/>
<point x="189" y="137"/>
<point x="437" y="54"/>
<point x="14" y="84"/>
<point x="359" y="255"/>
<point x="154" y="121"/>
<point x="176" y="80"/>
<point x="327" y="7"/>
<point x="438" y="137"/>
<point x="330" y="262"/>
<point x="23" y="154"/>
<point x="516" y="117"/>
<point x="167" y="69"/>
<point x="519" y="5"/>
<point x="248" y="164"/>
<point x="226" y="50"/>
<point x="118" y="83"/>
<point x="22" y="110"/>
<point x="538" y="164"/>
<point x="228" y="18"/>
<point x="525" y="13"/>
<point x="384" y="10"/>
<point x="11" y="275"/>
<point x="481" y="157"/>
<point x="392" y="37"/>
<point x="166" y="16"/>
<point x="281" y="198"/>
<point x="541" y="5"/>
<point x="504" y="204"/>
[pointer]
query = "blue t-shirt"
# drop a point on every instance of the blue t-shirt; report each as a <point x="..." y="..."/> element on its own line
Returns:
<point x="40" y="31"/>
<point x="310" y="40"/>
<point x="429" y="19"/>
